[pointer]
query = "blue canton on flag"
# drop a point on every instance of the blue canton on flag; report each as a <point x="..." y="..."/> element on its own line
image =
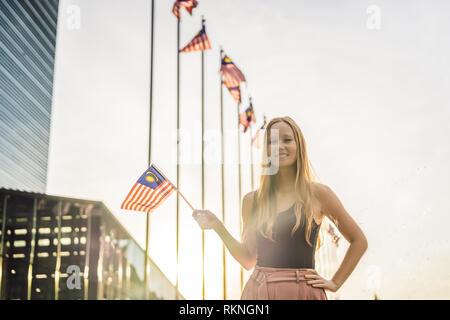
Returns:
<point x="148" y="192"/>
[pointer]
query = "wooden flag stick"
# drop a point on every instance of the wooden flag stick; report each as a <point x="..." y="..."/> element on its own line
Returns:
<point x="185" y="199"/>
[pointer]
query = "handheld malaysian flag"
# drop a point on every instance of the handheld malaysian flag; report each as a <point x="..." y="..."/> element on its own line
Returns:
<point x="151" y="189"/>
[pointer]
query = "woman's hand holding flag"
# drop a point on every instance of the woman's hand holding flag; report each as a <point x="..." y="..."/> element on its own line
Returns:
<point x="206" y="219"/>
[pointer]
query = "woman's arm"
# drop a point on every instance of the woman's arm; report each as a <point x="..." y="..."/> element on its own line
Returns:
<point x="335" y="211"/>
<point x="245" y="252"/>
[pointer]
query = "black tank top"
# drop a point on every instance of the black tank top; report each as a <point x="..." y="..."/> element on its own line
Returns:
<point x="287" y="251"/>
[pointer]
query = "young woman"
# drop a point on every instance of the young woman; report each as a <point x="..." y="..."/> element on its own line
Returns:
<point x="281" y="221"/>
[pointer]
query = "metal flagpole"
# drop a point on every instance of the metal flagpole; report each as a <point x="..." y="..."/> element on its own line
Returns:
<point x="178" y="147"/>
<point x="223" y="181"/>
<point x="203" y="165"/>
<point x="240" y="186"/>
<point x="251" y="150"/>
<point x="251" y="159"/>
<point x="147" y="228"/>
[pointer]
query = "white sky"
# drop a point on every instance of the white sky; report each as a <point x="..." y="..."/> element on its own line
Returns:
<point x="373" y="106"/>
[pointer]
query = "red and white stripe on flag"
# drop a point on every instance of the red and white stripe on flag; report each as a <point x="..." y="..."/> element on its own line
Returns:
<point x="258" y="139"/>
<point x="233" y="76"/>
<point x="235" y="93"/>
<point x="199" y="43"/>
<point x="146" y="199"/>
<point x="187" y="4"/>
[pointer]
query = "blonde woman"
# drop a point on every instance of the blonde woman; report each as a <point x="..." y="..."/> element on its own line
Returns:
<point x="281" y="222"/>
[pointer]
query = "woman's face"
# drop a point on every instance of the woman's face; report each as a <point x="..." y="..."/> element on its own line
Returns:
<point x="287" y="148"/>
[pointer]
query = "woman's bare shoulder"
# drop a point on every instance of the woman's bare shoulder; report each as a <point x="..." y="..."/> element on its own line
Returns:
<point x="320" y="190"/>
<point x="250" y="196"/>
<point x="247" y="203"/>
<point x="329" y="202"/>
<point x="320" y="193"/>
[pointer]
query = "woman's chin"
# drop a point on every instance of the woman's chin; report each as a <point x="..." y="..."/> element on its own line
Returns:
<point x="285" y="162"/>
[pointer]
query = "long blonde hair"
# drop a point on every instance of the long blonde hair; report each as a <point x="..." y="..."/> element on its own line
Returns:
<point x="265" y="195"/>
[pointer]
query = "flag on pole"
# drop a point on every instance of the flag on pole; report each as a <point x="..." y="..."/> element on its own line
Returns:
<point x="148" y="192"/>
<point x="336" y="238"/>
<point x="233" y="76"/>
<point x="199" y="43"/>
<point x="247" y="117"/>
<point x="235" y="92"/>
<point x="259" y="136"/>
<point x="187" y="4"/>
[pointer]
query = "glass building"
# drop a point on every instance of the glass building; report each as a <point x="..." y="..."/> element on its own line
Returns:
<point x="64" y="249"/>
<point x="27" y="53"/>
<point x="52" y="247"/>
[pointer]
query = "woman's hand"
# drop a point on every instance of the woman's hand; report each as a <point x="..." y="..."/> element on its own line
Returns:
<point x="318" y="282"/>
<point x="206" y="219"/>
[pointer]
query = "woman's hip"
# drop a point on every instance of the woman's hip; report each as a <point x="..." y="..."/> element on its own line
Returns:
<point x="281" y="284"/>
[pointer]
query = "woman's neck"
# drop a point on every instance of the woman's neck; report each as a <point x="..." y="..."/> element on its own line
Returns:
<point x="285" y="179"/>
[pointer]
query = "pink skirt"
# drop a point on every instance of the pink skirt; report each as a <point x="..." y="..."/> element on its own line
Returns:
<point x="281" y="284"/>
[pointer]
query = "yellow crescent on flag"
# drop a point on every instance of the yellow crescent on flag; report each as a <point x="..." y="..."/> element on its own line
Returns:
<point x="151" y="177"/>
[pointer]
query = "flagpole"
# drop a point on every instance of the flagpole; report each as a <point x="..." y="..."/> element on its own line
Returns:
<point x="203" y="165"/>
<point x="147" y="225"/>
<point x="251" y="159"/>
<point x="223" y="181"/>
<point x="178" y="151"/>
<point x="240" y="188"/>
<point x="251" y="150"/>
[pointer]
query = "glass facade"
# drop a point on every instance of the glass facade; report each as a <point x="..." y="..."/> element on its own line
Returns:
<point x="52" y="247"/>
<point x="66" y="249"/>
<point x="27" y="53"/>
